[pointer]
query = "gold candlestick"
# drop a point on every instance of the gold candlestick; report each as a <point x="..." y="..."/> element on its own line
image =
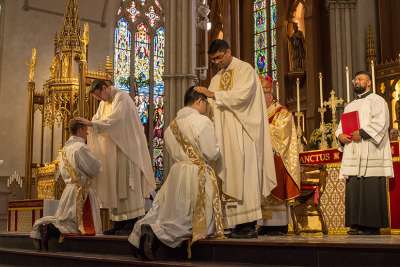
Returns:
<point x="32" y="66"/>
<point x="324" y="143"/>
<point x="333" y="103"/>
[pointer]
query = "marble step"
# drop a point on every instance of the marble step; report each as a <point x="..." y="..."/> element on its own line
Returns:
<point x="28" y="257"/>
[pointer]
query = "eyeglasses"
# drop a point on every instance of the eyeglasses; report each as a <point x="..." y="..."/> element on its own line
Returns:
<point x="358" y="80"/>
<point x="217" y="58"/>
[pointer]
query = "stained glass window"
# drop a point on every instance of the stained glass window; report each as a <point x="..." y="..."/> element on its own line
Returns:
<point x="265" y="19"/>
<point x="158" y="117"/>
<point x="122" y="55"/>
<point x="145" y="19"/>
<point x="142" y="71"/>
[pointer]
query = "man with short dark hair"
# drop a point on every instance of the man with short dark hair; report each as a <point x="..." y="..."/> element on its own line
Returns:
<point x="367" y="160"/>
<point x="187" y="205"/>
<point x="118" y="140"/>
<point x="78" y="211"/>
<point x="246" y="166"/>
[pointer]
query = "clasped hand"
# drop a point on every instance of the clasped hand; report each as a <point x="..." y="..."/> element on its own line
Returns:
<point x="354" y="137"/>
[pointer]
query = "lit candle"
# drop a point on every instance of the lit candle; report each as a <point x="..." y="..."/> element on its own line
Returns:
<point x="277" y="91"/>
<point x="298" y="94"/>
<point x="373" y="77"/>
<point x="347" y="84"/>
<point x="321" y="97"/>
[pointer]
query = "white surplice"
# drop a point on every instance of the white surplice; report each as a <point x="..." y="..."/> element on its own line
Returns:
<point x="118" y="140"/>
<point x="171" y="214"/>
<point x="370" y="157"/>
<point x="87" y="167"/>
<point x="246" y="168"/>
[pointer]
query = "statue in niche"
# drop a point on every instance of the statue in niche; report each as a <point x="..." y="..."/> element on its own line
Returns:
<point x="297" y="49"/>
<point x="65" y="66"/>
<point x="53" y="68"/>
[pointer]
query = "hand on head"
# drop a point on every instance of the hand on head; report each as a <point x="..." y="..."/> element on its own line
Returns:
<point x="203" y="90"/>
<point x="84" y="121"/>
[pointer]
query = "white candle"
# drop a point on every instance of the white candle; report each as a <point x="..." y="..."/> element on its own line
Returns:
<point x="321" y="97"/>
<point x="373" y="77"/>
<point x="347" y="84"/>
<point x="302" y="119"/>
<point x="298" y="94"/>
<point x="277" y="91"/>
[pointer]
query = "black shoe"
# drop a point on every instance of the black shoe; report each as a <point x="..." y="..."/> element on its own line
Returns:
<point x="369" y="231"/>
<point x="244" y="234"/>
<point x="116" y="227"/>
<point x="150" y="244"/>
<point x="53" y="231"/>
<point x="44" y="237"/>
<point x="353" y="231"/>
<point x="127" y="227"/>
<point x="137" y="253"/>
<point x="245" y="230"/>
<point x="273" y="230"/>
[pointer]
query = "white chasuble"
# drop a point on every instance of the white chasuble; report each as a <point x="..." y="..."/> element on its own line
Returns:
<point x="246" y="166"/>
<point x="118" y="140"/>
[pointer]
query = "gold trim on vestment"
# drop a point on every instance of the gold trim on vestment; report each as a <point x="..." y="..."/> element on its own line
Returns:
<point x="199" y="224"/>
<point x="226" y="80"/>
<point x="81" y="191"/>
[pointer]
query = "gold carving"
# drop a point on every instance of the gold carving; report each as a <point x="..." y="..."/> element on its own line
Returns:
<point x="48" y="186"/>
<point x="199" y="215"/>
<point x="226" y="81"/>
<point x="64" y="91"/>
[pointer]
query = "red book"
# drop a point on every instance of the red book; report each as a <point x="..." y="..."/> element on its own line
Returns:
<point x="350" y="122"/>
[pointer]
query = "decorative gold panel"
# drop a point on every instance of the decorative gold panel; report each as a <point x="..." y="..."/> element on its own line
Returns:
<point x="332" y="201"/>
<point x="48" y="186"/>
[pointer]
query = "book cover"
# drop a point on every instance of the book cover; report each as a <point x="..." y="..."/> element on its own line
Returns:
<point x="350" y="122"/>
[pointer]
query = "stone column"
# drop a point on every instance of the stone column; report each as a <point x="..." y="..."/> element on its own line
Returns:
<point x="180" y="57"/>
<point x="343" y="47"/>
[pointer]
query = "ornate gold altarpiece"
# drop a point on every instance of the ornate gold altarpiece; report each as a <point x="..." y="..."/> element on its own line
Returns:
<point x="64" y="96"/>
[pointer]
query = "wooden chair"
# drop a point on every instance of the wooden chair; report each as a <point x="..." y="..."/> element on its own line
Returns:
<point x="313" y="181"/>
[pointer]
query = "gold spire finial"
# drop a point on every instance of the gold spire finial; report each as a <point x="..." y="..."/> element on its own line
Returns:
<point x="85" y="41"/>
<point x="71" y="30"/>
